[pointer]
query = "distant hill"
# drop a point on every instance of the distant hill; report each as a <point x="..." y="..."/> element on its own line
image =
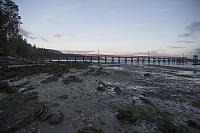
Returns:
<point x="53" y="51"/>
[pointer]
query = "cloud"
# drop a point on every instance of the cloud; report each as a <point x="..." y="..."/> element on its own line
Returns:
<point x="58" y="35"/>
<point x="78" y="51"/>
<point x="44" y="39"/>
<point x="27" y="34"/>
<point x="152" y="53"/>
<point x="186" y="41"/>
<point x="175" y="47"/>
<point x="192" y="29"/>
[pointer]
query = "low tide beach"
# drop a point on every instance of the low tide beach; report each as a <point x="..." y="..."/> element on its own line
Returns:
<point x="99" y="98"/>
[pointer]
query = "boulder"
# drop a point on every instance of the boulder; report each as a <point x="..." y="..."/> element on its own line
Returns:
<point x="4" y="87"/>
<point x="147" y="75"/>
<point x="101" y="88"/>
<point x="127" y="115"/>
<point x="56" y="118"/>
<point x="117" y="90"/>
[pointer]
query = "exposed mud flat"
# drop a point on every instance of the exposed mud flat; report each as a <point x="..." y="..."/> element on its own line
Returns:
<point x="94" y="98"/>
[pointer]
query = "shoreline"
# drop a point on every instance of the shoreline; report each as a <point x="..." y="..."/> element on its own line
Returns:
<point x="106" y="98"/>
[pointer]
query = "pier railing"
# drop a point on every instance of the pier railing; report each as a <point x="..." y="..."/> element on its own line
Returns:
<point x="99" y="58"/>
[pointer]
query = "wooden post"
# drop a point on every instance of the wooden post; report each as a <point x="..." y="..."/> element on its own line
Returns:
<point x="168" y="60"/>
<point x="83" y="58"/>
<point x="158" y="60"/>
<point x="91" y="59"/>
<point x="105" y="60"/>
<point x="163" y="60"/>
<point x="148" y="60"/>
<point x="174" y="61"/>
<point x="126" y="60"/>
<point x="112" y="59"/>
<point x="119" y="60"/>
<point x="185" y="60"/>
<point x="154" y="60"/>
<point x="131" y="60"/>
<point x="67" y="58"/>
<point x="143" y="59"/>
<point x="138" y="60"/>
<point x="98" y="59"/>
<point x="75" y="58"/>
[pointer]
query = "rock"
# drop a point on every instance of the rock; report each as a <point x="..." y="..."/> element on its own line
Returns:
<point x="51" y="104"/>
<point x="63" y="97"/>
<point x="4" y="87"/>
<point x="147" y="75"/>
<point x="101" y="88"/>
<point x="117" y="90"/>
<point x="167" y="126"/>
<point x="3" y="84"/>
<point x="127" y="115"/>
<point x="72" y="79"/>
<point x="56" y="118"/>
<point x="193" y="124"/>
<point x="144" y="100"/>
<point x="90" y="130"/>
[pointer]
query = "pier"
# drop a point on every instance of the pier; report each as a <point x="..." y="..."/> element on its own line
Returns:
<point x="106" y="58"/>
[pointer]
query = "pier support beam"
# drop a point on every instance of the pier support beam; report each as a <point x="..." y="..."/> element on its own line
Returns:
<point x="126" y="60"/>
<point x="158" y="60"/>
<point x="75" y="58"/>
<point x="119" y="60"/>
<point x="83" y="58"/>
<point x="98" y="59"/>
<point x="143" y="59"/>
<point x="154" y="60"/>
<point x="131" y="60"/>
<point x="163" y="60"/>
<point x="168" y="60"/>
<point x="112" y="59"/>
<point x="148" y="60"/>
<point x="105" y="60"/>
<point x="138" y="60"/>
<point x="91" y="59"/>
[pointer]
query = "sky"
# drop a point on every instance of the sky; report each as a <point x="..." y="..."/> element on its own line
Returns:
<point x="128" y="27"/>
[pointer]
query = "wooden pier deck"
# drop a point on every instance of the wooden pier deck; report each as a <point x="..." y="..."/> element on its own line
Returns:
<point x="105" y="58"/>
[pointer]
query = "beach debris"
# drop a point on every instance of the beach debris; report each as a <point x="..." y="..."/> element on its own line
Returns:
<point x="127" y="115"/>
<point x="63" y="97"/>
<point x="50" y="79"/>
<point x="117" y="90"/>
<point x="56" y="118"/>
<point x="147" y="75"/>
<point x="71" y="79"/>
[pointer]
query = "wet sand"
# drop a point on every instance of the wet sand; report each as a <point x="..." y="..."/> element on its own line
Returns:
<point x="112" y="98"/>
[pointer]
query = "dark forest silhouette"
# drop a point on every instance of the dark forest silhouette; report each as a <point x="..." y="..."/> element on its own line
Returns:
<point x="11" y="41"/>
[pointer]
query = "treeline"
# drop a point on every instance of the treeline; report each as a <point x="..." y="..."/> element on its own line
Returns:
<point x="11" y="41"/>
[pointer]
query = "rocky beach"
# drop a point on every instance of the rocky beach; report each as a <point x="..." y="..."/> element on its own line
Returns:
<point x="97" y="98"/>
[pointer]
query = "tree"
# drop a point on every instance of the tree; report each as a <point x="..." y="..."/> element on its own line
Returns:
<point x="9" y="25"/>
